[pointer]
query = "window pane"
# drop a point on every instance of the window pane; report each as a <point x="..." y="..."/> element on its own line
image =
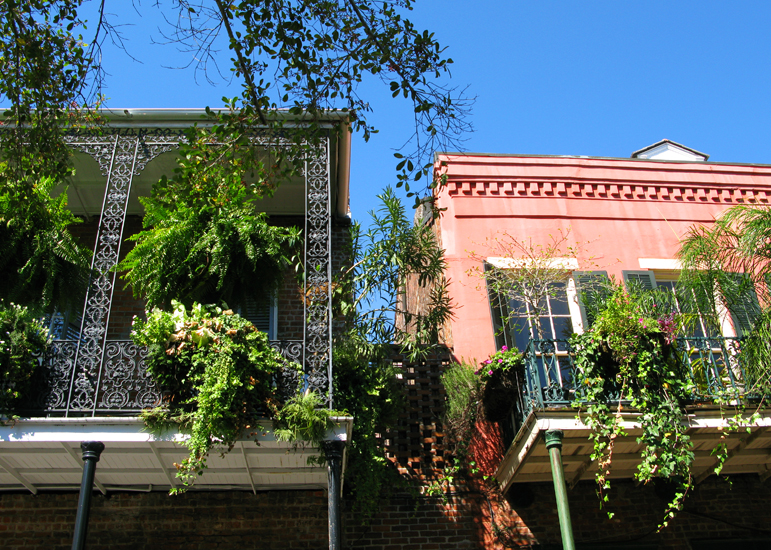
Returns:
<point x="558" y="299"/>
<point x="563" y="327"/>
<point x="520" y="332"/>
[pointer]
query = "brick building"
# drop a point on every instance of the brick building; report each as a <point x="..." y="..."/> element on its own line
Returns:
<point x="268" y="496"/>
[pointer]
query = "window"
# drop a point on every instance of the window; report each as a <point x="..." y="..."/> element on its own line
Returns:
<point x="546" y="313"/>
<point x="63" y="325"/>
<point x="742" y="309"/>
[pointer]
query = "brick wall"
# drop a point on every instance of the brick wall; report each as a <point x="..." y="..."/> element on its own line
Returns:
<point x="298" y="519"/>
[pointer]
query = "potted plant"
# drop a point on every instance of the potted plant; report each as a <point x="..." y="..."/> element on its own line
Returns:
<point x="499" y="375"/>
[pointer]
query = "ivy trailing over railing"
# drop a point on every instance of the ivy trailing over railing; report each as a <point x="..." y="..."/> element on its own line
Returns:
<point x="628" y="358"/>
<point x="217" y="372"/>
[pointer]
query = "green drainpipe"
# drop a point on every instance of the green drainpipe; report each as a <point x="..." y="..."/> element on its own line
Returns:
<point x="554" y="446"/>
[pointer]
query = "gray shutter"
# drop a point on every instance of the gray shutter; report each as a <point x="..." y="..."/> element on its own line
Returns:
<point x="744" y="306"/>
<point x="645" y="280"/>
<point x="499" y="315"/>
<point x="589" y="286"/>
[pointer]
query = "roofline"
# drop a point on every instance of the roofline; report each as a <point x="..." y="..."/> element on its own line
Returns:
<point x="586" y="157"/>
<point x="131" y="116"/>
<point x="184" y="117"/>
<point x="138" y="116"/>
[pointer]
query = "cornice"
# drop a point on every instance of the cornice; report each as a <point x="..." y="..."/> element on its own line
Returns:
<point x="669" y="192"/>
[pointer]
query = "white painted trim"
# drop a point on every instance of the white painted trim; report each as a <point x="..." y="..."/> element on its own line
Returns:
<point x="574" y="307"/>
<point x="133" y="430"/>
<point x="568" y="264"/>
<point x="662" y="264"/>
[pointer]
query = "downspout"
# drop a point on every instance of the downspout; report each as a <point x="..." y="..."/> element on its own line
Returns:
<point x="343" y="170"/>
<point x="554" y="446"/>
<point x="333" y="452"/>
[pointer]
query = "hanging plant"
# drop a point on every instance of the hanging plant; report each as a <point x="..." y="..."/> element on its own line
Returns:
<point x="630" y="356"/>
<point x="23" y="342"/>
<point x="498" y="376"/>
<point x="203" y="239"/>
<point x="218" y="373"/>
<point x="41" y="263"/>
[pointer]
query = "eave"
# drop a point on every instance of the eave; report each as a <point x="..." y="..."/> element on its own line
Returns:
<point x="527" y="460"/>
<point x="44" y="454"/>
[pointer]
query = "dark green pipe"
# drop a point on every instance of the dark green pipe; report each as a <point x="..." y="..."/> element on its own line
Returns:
<point x="91" y="452"/>
<point x="554" y="446"/>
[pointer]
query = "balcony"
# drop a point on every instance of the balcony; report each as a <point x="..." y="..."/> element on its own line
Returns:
<point x="548" y="398"/>
<point x="95" y="383"/>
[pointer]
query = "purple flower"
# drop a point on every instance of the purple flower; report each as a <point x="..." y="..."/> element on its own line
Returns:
<point x="504" y="348"/>
<point x="500" y="360"/>
<point x="489" y="373"/>
<point x="487" y="362"/>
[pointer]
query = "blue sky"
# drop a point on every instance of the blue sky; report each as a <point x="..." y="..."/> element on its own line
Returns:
<point x="551" y="78"/>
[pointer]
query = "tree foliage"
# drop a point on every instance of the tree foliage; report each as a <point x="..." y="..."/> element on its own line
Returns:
<point x="726" y="265"/>
<point x="392" y="251"/>
<point x="310" y="57"/>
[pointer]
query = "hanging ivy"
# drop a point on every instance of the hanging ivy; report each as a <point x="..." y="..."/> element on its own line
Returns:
<point x="628" y="358"/>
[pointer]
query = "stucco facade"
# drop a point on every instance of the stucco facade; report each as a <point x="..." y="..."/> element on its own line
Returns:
<point x="622" y="214"/>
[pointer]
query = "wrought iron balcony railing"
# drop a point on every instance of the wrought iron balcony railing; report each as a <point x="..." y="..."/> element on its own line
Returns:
<point x="121" y="382"/>
<point x="714" y="365"/>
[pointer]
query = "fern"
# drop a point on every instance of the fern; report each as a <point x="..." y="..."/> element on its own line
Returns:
<point x="203" y="240"/>
<point x="40" y="261"/>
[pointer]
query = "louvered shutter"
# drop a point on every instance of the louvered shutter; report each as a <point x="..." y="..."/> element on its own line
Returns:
<point x="590" y="285"/>
<point x="499" y="314"/>
<point x="640" y="279"/>
<point x="261" y="315"/>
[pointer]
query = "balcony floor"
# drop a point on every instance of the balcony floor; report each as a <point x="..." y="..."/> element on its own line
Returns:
<point x="527" y="459"/>
<point x="44" y="454"/>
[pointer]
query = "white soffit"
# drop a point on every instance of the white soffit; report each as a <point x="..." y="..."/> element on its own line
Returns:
<point x="568" y="264"/>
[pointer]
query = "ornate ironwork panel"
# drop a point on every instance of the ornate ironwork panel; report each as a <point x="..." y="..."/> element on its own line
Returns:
<point x="318" y="272"/>
<point x="121" y="154"/>
<point x="125" y="384"/>
<point x="288" y="382"/>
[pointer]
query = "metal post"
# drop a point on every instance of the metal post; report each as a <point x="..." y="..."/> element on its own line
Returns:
<point x="554" y="445"/>
<point x="333" y="450"/>
<point x="91" y="451"/>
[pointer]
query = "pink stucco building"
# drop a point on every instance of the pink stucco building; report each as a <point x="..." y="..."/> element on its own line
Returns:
<point x="616" y="217"/>
<point x="622" y="215"/>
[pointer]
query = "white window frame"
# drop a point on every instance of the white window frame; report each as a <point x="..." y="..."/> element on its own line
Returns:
<point x="570" y="265"/>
